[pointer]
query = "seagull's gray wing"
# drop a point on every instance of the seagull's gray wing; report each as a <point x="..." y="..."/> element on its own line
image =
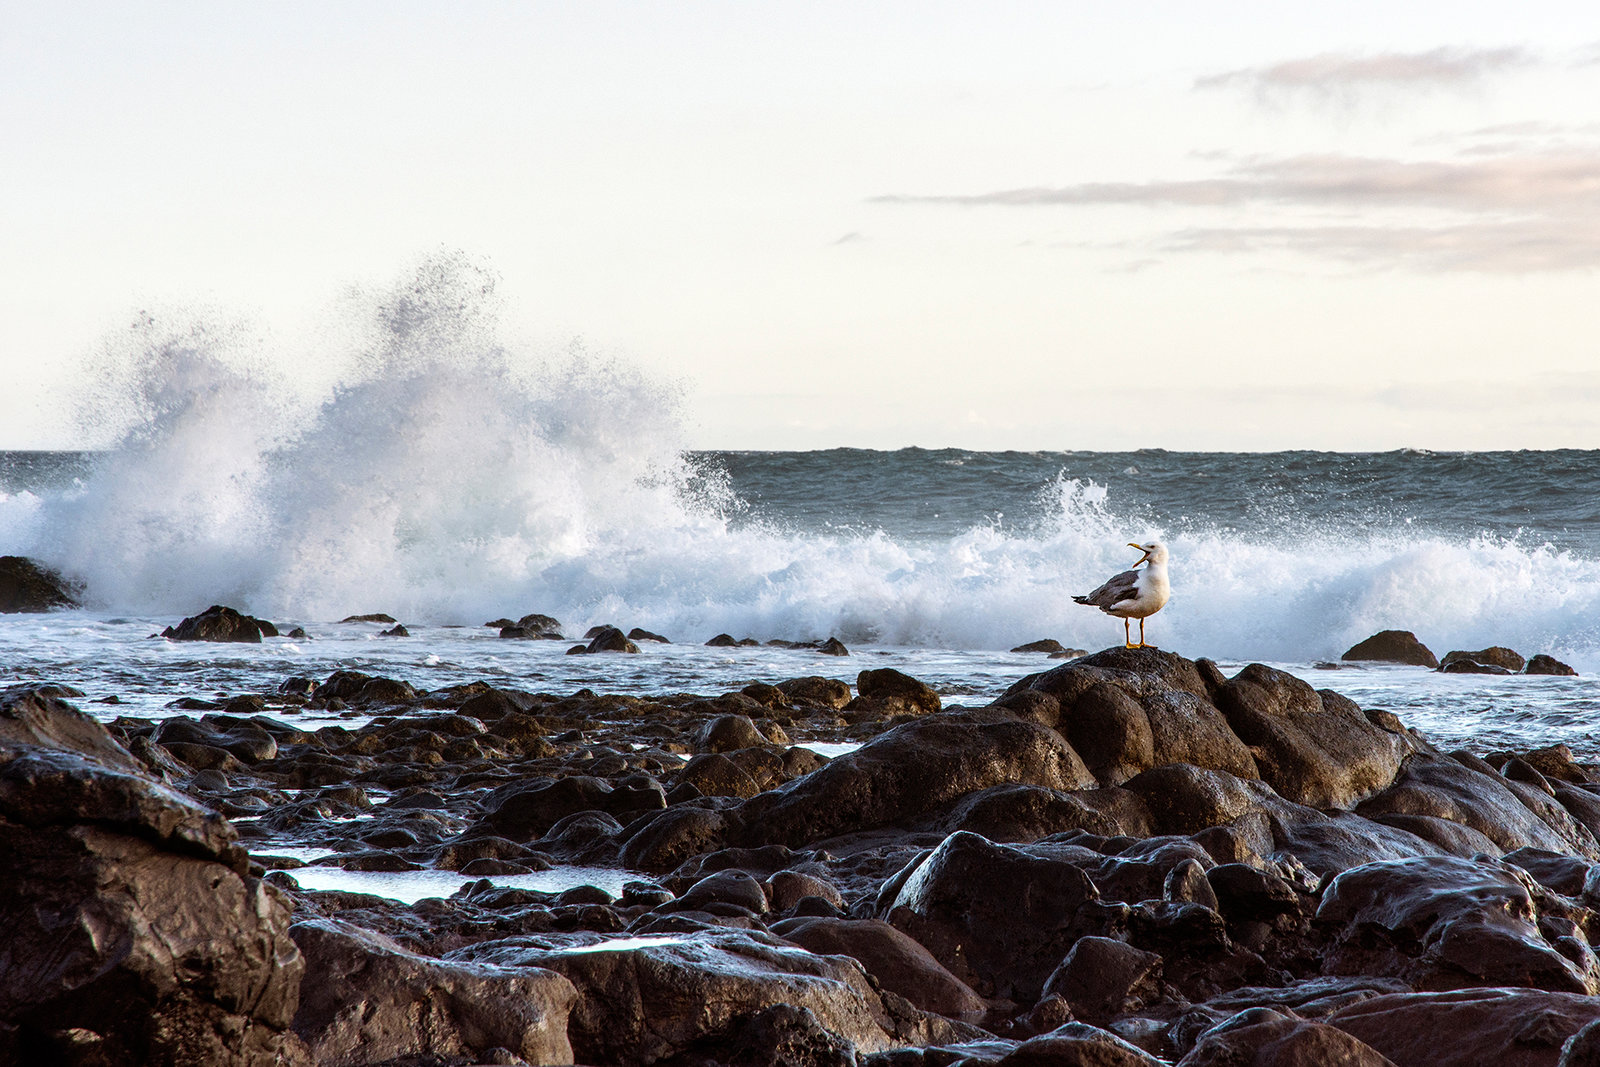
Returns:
<point x="1119" y="587"/>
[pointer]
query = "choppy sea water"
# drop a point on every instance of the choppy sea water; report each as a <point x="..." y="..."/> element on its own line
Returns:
<point x="446" y="482"/>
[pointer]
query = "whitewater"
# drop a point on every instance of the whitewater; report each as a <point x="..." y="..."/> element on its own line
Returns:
<point x="447" y="479"/>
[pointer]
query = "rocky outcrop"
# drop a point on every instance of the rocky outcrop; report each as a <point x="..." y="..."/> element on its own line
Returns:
<point x="27" y="586"/>
<point x="367" y="1000"/>
<point x="130" y="925"/>
<point x="1392" y="646"/>
<point x="218" y="623"/>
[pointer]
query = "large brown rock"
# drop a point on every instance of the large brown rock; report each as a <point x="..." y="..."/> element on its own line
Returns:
<point x="897" y="692"/>
<point x="900" y="964"/>
<point x="130" y="928"/>
<point x="642" y="1004"/>
<point x="1078" y="1045"/>
<point x="1511" y="814"/>
<point x="218" y="623"/>
<point x="1506" y="659"/>
<point x="1447" y="923"/>
<point x="919" y="767"/>
<point x="1392" y="646"/>
<point x="366" y="1000"/>
<point x="999" y="917"/>
<point x="1265" y="1038"/>
<point x="1469" y="1027"/>
<point x="26" y="586"/>
<point x="1313" y="748"/>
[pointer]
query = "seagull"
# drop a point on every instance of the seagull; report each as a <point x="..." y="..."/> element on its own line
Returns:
<point x="1135" y="595"/>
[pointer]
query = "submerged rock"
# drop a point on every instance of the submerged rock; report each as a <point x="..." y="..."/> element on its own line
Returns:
<point x="1543" y="664"/>
<point x="1494" y="656"/>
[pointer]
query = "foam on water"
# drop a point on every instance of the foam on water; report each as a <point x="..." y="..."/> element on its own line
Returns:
<point x="445" y="478"/>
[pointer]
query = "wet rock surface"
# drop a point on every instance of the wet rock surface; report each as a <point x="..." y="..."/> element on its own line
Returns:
<point x="1130" y="858"/>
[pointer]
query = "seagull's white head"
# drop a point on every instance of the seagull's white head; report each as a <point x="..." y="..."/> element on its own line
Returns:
<point x="1154" y="551"/>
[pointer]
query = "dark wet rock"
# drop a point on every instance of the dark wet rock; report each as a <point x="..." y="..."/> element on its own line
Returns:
<point x="712" y="774"/>
<point x="833" y="647"/>
<point x="397" y="630"/>
<point x="1446" y="923"/>
<point x="897" y="692"/>
<point x="1109" y="728"/>
<point x="812" y="691"/>
<point x="916" y="768"/>
<point x="1469" y="1027"/>
<point x="780" y="1036"/>
<point x="723" y="641"/>
<point x="648" y="1003"/>
<point x="1313" y="748"/>
<point x="727" y="733"/>
<point x="1250" y="894"/>
<point x="1011" y="813"/>
<point x="1582" y="1049"/>
<point x="1102" y="978"/>
<point x="899" y="964"/>
<point x="358" y="689"/>
<point x="999" y="917"/>
<point x="641" y="634"/>
<point x="131" y="929"/>
<point x="662" y="843"/>
<point x="376" y="616"/>
<point x="1499" y="656"/>
<point x="1467" y="666"/>
<point x="611" y="639"/>
<point x="1183" y="799"/>
<point x="527" y="812"/>
<point x="1078" y="1045"/>
<point x="726" y="887"/>
<point x="1392" y="646"/>
<point x="1263" y="1037"/>
<point x="218" y="623"/>
<point x="1543" y="664"/>
<point x="27" y="586"/>
<point x="1510" y="814"/>
<point x="1048" y="644"/>
<point x="366" y="999"/>
<point x="787" y="888"/>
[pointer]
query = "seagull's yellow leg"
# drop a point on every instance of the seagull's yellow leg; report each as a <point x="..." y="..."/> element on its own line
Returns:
<point x="1141" y="633"/>
<point x="1127" y="635"/>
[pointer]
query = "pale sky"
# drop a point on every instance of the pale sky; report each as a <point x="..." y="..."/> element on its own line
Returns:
<point x="991" y="225"/>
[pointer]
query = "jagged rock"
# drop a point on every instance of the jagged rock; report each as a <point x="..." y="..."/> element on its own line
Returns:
<point x="1313" y="748"/>
<point x="649" y="1003"/>
<point x="1447" y="923"/>
<point x="816" y="692"/>
<point x="1102" y="978"/>
<point x="218" y="623"/>
<point x="921" y="766"/>
<point x="26" y="586"/>
<point x="366" y="1000"/>
<point x="1499" y="656"/>
<point x="640" y="634"/>
<point x="1469" y="1027"/>
<point x="999" y="917"/>
<point x="833" y="647"/>
<point x="129" y="925"/>
<point x="900" y="964"/>
<point x="1392" y="646"/>
<point x="1263" y="1037"/>
<point x="897" y="692"/>
<point x="1078" y="1045"/>
<point x="1543" y="664"/>
<point x="1048" y="644"/>
<point x="356" y="688"/>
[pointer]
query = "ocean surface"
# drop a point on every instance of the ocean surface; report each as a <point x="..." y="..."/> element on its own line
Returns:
<point x="932" y="561"/>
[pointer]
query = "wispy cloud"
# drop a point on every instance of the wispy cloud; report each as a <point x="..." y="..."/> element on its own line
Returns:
<point x="1511" y="212"/>
<point x="1346" y="75"/>
<point x="1519" y="182"/>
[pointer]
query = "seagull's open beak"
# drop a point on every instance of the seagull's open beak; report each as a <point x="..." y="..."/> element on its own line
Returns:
<point x="1141" y="548"/>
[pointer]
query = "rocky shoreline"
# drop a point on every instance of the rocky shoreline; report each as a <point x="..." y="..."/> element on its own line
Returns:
<point x="1128" y="859"/>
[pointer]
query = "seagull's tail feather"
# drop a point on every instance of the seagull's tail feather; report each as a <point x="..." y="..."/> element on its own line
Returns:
<point x="1081" y="599"/>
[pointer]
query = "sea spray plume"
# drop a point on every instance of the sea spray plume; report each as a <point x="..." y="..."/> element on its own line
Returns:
<point x="172" y="507"/>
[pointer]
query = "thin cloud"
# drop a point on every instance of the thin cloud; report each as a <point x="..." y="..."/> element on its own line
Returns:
<point x="1344" y="74"/>
<point x="1501" y="183"/>
<point x="1510" y="212"/>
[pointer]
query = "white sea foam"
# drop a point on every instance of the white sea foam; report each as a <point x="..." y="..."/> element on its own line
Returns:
<point x="445" y="479"/>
